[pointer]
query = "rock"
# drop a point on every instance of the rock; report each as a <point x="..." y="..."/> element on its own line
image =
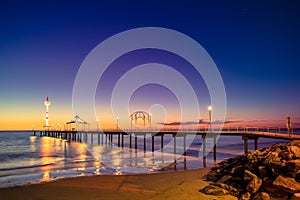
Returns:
<point x="296" y="196"/>
<point x="214" y="190"/>
<point x="224" y="179"/>
<point x="237" y="170"/>
<point x="272" y="172"/>
<point x="285" y="156"/>
<point x="212" y="176"/>
<point x="295" y="143"/>
<point x="248" y="176"/>
<point x="297" y="177"/>
<point x="261" y="196"/>
<point x="287" y="184"/>
<point x="245" y="196"/>
<point x="254" y="185"/>
<point x="254" y="182"/>
<point x="262" y="171"/>
<point x="272" y="160"/>
<point x="295" y="150"/>
<point x="274" y="192"/>
<point x="233" y="191"/>
<point x="293" y="165"/>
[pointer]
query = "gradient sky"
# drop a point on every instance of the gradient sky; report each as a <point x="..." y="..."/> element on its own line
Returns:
<point x="255" y="45"/>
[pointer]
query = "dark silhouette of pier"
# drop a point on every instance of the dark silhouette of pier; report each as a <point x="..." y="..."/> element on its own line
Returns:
<point x="118" y="136"/>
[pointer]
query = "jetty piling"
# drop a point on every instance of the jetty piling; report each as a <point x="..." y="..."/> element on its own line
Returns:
<point x="208" y="139"/>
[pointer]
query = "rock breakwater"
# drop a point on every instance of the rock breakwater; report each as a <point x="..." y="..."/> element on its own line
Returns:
<point x="269" y="173"/>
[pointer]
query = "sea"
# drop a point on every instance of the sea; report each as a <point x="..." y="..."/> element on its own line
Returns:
<point x="29" y="159"/>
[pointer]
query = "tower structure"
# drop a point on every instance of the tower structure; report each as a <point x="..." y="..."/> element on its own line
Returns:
<point x="47" y="103"/>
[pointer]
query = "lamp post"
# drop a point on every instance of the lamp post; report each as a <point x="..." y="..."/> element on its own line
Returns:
<point x="97" y="124"/>
<point x="47" y="103"/>
<point x="209" y="113"/>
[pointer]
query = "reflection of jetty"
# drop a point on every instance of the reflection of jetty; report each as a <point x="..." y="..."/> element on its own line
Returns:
<point x="117" y="137"/>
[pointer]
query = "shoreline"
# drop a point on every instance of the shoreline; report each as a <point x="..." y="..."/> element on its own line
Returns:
<point x="164" y="185"/>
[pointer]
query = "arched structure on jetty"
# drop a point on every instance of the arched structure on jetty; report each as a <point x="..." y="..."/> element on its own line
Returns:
<point x="146" y="117"/>
<point x="77" y="124"/>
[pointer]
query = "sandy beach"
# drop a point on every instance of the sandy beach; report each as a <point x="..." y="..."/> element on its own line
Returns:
<point x="167" y="185"/>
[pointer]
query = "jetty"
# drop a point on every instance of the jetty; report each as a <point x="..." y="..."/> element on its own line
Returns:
<point x="133" y="136"/>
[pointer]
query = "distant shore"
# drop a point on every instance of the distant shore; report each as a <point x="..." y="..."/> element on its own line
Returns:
<point x="167" y="185"/>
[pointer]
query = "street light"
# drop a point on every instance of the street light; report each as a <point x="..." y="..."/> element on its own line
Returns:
<point x="209" y="113"/>
<point x="97" y="124"/>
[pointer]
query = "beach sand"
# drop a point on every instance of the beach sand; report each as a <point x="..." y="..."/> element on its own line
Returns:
<point x="167" y="185"/>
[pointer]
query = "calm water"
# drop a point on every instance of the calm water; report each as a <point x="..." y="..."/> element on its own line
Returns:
<point x="25" y="158"/>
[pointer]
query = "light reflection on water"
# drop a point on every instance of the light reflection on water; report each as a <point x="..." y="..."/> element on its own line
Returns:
<point x="23" y="156"/>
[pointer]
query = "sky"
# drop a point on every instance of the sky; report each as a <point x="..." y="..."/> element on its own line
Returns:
<point x="254" y="44"/>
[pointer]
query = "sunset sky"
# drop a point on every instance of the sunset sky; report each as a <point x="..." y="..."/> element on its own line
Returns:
<point x="255" y="45"/>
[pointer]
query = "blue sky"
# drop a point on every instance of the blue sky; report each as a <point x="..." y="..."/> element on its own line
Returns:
<point x="255" y="45"/>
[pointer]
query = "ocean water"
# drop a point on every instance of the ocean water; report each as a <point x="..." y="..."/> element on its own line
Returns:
<point x="27" y="159"/>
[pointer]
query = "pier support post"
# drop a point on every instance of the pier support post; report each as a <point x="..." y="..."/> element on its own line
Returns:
<point x="204" y="147"/>
<point x="122" y="140"/>
<point x="152" y="140"/>
<point x="118" y="139"/>
<point x="256" y="143"/>
<point x="98" y="138"/>
<point x="162" y="142"/>
<point x="184" y="145"/>
<point x="215" y="148"/>
<point x="175" y="146"/>
<point x="135" y="140"/>
<point x="144" y="143"/>
<point x="245" y="145"/>
<point x="130" y="142"/>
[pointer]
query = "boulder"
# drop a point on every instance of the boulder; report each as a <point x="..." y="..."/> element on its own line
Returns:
<point x="296" y="196"/>
<point x="297" y="176"/>
<point x="212" y="176"/>
<point x="231" y="190"/>
<point x="262" y="196"/>
<point x="287" y="184"/>
<point x="214" y="190"/>
<point x="254" y="182"/>
<point x="293" y="165"/>
<point x="248" y="176"/>
<point x="262" y="171"/>
<point x="224" y="179"/>
<point x="295" y="150"/>
<point x="245" y="196"/>
<point x="254" y="185"/>
<point x="272" y="172"/>
<point x="285" y="156"/>
<point x="295" y="143"/>
<point x="237" y="170"/>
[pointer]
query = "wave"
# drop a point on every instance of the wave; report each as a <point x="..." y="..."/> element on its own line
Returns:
<point x="25" y="167"/>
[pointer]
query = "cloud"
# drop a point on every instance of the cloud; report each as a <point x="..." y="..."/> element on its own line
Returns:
<point x="201" y="122"/>
<point x="258" y="121"/>
<point x="178" y="123"/>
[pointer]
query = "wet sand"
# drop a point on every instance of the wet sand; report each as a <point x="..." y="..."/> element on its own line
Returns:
<point x="167" y="185"/>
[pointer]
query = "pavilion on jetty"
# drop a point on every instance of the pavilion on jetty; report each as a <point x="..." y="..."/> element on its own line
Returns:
<point x="77" y="124"/>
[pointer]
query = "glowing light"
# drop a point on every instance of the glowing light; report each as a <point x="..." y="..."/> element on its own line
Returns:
<point x="46" y="177"/>
<point x="209" y="108"/>
<point x="47" y="103"/>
